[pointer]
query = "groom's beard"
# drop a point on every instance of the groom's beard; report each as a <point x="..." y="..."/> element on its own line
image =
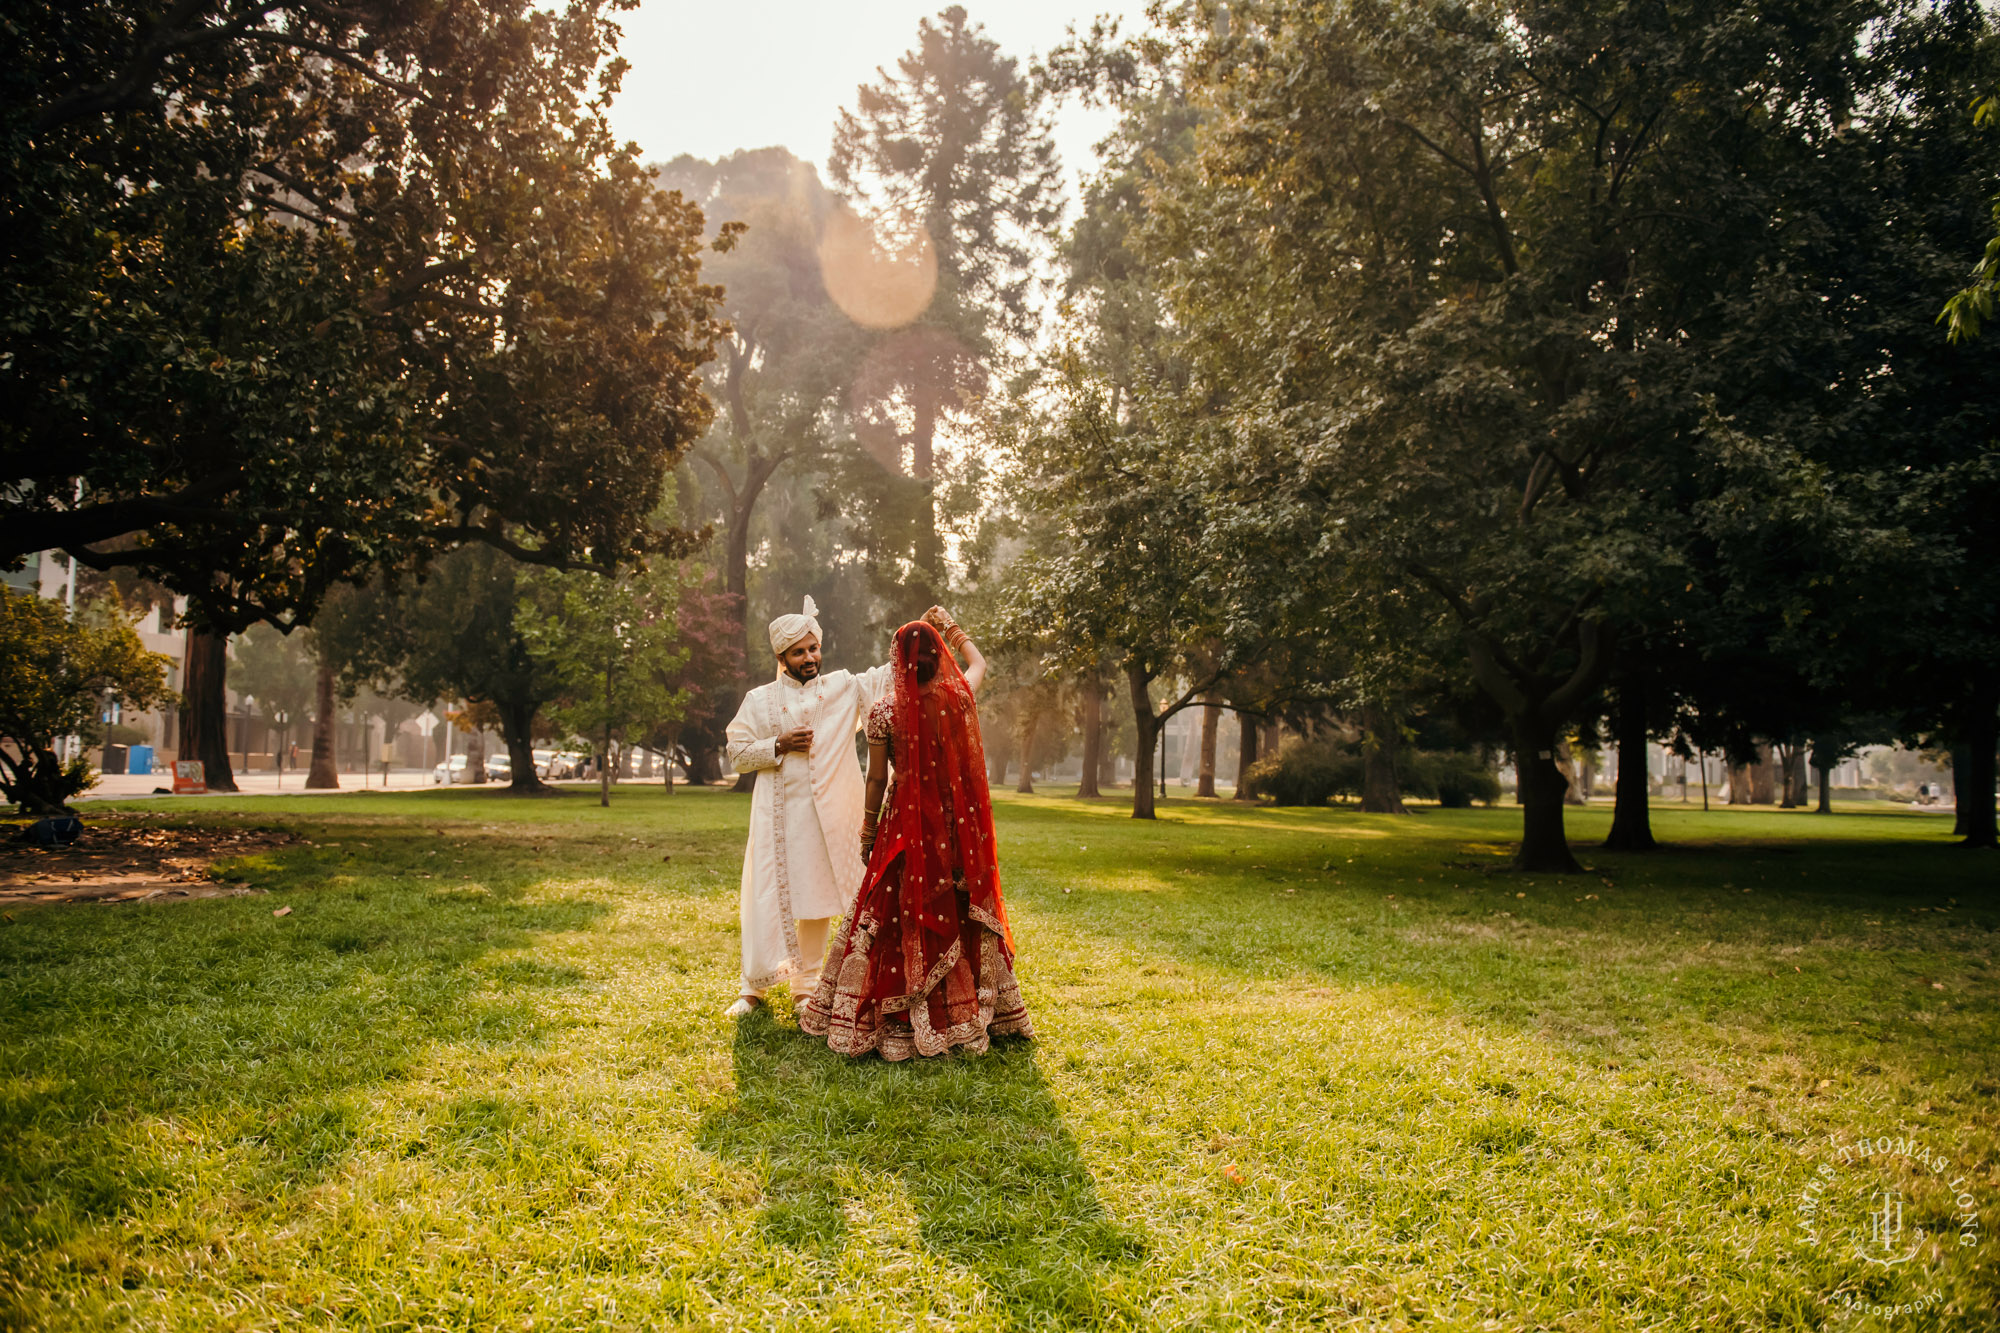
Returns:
<point x="804" y="673"/>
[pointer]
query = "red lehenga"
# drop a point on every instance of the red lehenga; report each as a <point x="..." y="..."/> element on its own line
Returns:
<point x="924" y="960"/>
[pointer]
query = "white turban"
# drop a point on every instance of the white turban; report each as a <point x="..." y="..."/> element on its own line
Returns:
<point x="788" y="630"/>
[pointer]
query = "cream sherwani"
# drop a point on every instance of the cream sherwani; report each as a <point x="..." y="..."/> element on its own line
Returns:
<point x="803" y="861"/>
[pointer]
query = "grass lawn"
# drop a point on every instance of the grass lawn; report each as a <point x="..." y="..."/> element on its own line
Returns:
<point x="1297" y="1068"/>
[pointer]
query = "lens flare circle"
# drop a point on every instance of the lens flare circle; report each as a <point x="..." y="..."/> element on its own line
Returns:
<point x="882" y="274"/>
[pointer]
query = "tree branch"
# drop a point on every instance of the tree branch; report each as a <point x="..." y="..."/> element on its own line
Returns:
<point x="527" y="555"/>
<point x="30" y="531"/>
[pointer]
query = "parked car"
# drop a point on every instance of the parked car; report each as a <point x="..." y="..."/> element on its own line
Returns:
<point x="498" y="769"/>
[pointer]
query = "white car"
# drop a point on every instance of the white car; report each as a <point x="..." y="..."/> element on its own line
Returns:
<point x="498" y="769"/>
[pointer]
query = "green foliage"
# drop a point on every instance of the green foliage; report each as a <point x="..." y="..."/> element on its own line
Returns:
<point x="1305" y="771"/>
<point x="277" y="672"/>
<point x="1972" y="306"/>
<point x="612" y="648"/>
<point x="57" y="674"/>
<point x="1452" y="778"/>
<point x="1315" y="770"/>
<point x="453" y="635"/>
<point x="302" y="292"/>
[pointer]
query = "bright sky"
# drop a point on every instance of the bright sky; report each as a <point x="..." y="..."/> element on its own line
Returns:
<point x="710" y="78"/>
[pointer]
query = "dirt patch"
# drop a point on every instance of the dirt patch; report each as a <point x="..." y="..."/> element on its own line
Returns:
<point x="128" y="859"/>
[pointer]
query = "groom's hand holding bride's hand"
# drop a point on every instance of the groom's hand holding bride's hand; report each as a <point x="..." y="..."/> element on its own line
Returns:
<point x="798" y="738"/>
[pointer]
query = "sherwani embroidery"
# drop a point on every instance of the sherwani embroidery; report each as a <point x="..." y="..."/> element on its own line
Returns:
<point x="802" y="859"/>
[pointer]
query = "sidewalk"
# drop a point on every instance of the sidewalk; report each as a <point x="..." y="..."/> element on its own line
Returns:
<point x="127" y="786"/>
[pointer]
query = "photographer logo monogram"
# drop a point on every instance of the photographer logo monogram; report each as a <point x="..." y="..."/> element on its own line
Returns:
<point x="1896" y="1208"/>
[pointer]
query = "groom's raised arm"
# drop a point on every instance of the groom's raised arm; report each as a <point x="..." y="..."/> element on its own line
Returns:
<point x="747" y="749"/>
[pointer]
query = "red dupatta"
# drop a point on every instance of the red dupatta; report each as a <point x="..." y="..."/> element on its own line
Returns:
<point x="940" y="819"/>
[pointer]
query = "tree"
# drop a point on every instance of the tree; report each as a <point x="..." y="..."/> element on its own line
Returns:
<point x="278" y="675"/>
<point x="299" y="292"/>
<point x="611" y="645"/>
<point x="57" y="674"/>
<point x="1448" y="266"/>
<point x="789" y="354"/>
<point x="454" y="635"/>
<point x="950" y="164"/>
<point x="708" y="624"/>
<point x="1128" y="574"/>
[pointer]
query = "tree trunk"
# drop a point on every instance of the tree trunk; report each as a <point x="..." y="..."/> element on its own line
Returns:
<point x="1825" y="791"/>
<point x="604" y="771"/>
<point x="1763" y="778"/>
<point x="1973" y="787"/>
<point x="1246" y="754"/>
<point x="1211" y="718"/>
<point x="204" y="729"/>
<point x="1091" y="723"/>
<point x="1544" y="847"/>
<point x="1961" y="761"/>
<point x="998" y="756"/>
<point x="1631" y="812"/>
<point x="1566" y="765"/>
<point x="1381" y="792"/>
<point x="702" y="762"/>
<point x="931" y="578"/>
<point x="1148" y="724"/>
<point x="324" y="775"/>
<point x="1788" y="787"/>
<point x="517" y="725"/>
<point x="475" y="755"/>
<point x="1107" y="758"/>
<point x="1025" y="722"/>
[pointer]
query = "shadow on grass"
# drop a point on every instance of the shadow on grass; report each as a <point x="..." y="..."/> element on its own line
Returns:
<point x="1793" y="929"/>
<point x="976" y="1142"/>
<point x="145" y="1046"/>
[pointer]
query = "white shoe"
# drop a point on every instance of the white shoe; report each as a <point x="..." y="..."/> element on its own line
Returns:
<point x="744" y="1006"/>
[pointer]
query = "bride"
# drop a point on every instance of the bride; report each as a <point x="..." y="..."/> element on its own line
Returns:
<point x="924" y="961"/>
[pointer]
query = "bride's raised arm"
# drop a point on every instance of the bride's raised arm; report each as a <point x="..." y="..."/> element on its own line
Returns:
<point x="960" y="642"/>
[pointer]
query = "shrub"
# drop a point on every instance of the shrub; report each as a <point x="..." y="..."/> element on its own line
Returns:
<point x="1305" y="772"/>
<point x="1453" y="778"/>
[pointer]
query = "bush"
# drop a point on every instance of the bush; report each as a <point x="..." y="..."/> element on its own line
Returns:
<point x="1305" y="772"/>
<point x="1312" y="772"/>
<point x="1452" y="778"/>
<point x="124" y="733"/>
<point x="56" y="672"/>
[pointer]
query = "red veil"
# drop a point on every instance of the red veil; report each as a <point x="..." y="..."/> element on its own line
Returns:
<point x="940" y="816"/>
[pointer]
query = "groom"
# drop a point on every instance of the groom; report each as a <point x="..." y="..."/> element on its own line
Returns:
<point x="803" y="863"/>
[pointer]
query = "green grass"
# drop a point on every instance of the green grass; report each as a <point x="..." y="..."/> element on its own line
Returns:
<point x="1296" y="1069"/>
